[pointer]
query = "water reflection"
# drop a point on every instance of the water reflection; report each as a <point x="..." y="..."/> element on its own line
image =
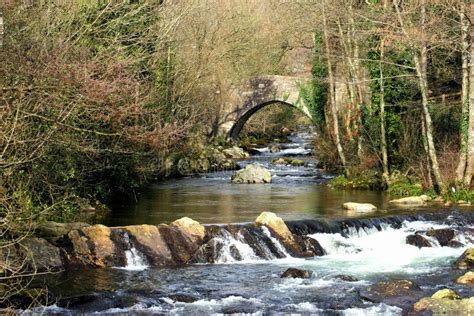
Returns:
<point x="296" y="193"/>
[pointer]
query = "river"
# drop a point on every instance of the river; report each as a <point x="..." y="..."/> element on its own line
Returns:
<point x="246" y="283"/>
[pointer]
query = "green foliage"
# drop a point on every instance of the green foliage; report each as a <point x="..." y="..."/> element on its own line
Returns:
<point x="404" y="187"/>
<point x="368" y="180"/>
<point x="461" y="194"/>
<point x="316" y="93"/>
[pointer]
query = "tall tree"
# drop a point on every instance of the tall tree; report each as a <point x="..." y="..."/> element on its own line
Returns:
<point x="420" y="59"/>
<point x="332" y="92"/>
<point x="465" y="46"/>
<point x="470" y="149"/>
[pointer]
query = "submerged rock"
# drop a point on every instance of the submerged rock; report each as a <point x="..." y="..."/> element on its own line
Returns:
<point x="347" y="278"/>
<point x="274" y="148"/>
<point x="467" y="278"/>
<point x="235" y="153"/>
<point x="359" y="207"/>
<point x="296" y="273"/>
<point x="252" y="174"/>
<point x="288" y="161"/>
<point x="400" y="289"/>
<point x="411" y="201"/>
<point x="466" y="260"/>
<point x="417" y="240"/>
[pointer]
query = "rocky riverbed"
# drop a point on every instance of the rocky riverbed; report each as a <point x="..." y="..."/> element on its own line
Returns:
<point x="359" y="265"/>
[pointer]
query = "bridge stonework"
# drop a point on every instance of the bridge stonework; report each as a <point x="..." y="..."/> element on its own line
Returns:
<point x="258" y="93"/>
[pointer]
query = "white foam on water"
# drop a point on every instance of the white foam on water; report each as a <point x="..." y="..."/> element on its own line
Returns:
<point x="381" y="309"/>
<point x="42" y="310"/>
<point x="304" y="307"/>
<point x="228" y="242"/>
<point x="213" y="306"/>
<point x="135" y="260"/>
<point x="296" y="284"/>
<point x="369" y="251"/>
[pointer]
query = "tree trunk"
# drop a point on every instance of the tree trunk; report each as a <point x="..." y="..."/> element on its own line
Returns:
<point x="470" y="145"/>
<point x="461" y="169"/>
<point x="421" y="62"/>
<point x="383" y="139"/>
<point x="332" y="95"/>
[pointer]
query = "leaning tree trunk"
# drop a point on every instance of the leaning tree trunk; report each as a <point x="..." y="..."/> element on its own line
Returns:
<point x="332" y="95"/>
<point x="465" y="42"/>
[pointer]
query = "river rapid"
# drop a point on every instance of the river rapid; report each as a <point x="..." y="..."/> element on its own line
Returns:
<point x="245" y="281"/>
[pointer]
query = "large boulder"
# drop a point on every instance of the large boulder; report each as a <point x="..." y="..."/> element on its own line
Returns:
<point x="302" y="246"/>
<point x="411" y="201"/>
<point x="92" y="246"/>
<point x="275" y="224"/>
<point x="181" y="245"/>
<point x="467" y="278"/>
<point x="190" y="227"/>
<point x="235" y="153"/>
<point x="252" y="174"/>
<point x="466" y="260"/>
<point x="296" y="273"/>
<point x="359" y="207"/>
<point x="149" y="240"/>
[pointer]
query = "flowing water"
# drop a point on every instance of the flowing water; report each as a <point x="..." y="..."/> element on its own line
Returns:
<point x="295" y="193"/>
<point x="245" y="277"/>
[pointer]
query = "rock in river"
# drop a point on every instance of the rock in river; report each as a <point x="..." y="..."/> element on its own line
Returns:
<point x="235" y="153"/>
<point x="296" y="273"/>
<point x="359" y="207"/>
<point x="252" y="174"/>
<point x="392" y="291"/>
<point x="467" y="278"/>
<point x="446" y="302"/>
<point x="417" y="240"/>
<point x="411" y="201"/>
<point x="466" y="261"/>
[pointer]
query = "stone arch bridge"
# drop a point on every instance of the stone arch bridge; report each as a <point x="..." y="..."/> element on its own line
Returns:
<point x="257" y="93"/>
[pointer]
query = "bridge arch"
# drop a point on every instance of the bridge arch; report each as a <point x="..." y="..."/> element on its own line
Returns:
<point x="240" y="123"/>
<point x="257" y="93"/>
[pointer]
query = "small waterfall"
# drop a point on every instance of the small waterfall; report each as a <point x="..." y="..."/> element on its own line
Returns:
<point x="233" y="249"/>
<point x="135" y="260"/>
<point x="275" y="242"/>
